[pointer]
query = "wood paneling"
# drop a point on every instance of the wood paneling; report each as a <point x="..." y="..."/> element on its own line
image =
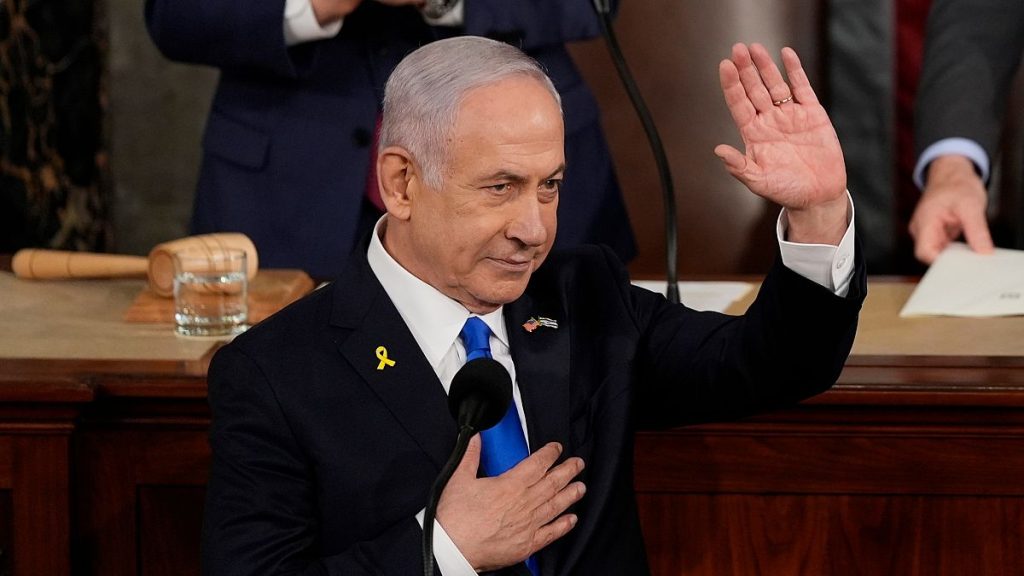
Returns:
<point x="171" y="519"/>
<point x="840" y="535"/>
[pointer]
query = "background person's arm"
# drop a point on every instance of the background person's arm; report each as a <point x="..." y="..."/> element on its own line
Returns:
<point x="972" y="50"/>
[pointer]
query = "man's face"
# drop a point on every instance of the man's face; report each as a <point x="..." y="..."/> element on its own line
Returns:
<point x="481" y="236"/>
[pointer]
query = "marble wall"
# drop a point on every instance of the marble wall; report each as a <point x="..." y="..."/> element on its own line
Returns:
<point x="99" y="134"/>
<point x="54" y="178"/>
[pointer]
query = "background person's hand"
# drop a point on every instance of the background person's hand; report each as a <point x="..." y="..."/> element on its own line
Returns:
<point x="953" y="202"/>
<point x="330" y="11"/>
<point x="792" y="155"/>
<point x="501" y="521"/>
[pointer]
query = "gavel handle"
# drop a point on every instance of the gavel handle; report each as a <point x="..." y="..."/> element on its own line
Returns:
<point x="39" y="264"/>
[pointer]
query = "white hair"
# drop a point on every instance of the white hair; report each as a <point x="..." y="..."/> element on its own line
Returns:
<point x="423" y="94"/>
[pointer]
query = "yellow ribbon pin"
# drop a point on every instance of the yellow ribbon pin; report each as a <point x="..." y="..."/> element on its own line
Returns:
<point x="382" y="355"/>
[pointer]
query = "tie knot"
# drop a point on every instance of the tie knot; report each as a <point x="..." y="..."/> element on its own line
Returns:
<point x="476" y="337"/>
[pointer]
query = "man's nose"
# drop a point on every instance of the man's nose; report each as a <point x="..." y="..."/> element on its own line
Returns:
<point x="527" y="223"/>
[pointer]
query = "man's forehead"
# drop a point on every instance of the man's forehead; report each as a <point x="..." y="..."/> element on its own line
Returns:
<point x="519" y="88"/>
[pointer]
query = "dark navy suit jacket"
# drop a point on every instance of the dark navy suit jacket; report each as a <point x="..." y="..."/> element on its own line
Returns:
<point x="287" y="143"/>
<point x="321" y="461"/>
<point x="972" y="52"/>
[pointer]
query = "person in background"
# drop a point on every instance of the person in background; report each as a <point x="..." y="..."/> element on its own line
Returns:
<point x="972" y="50"/>
<point x="288" y="145"/>
<point x="330" y="419"/>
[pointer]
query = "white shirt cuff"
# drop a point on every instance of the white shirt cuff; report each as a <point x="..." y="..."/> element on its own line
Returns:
<point x="449" y="560"/>
<point x="824" y="264"/>
<point x="454" y="17"/>
<point x="952" y="146"/>
<point x="300" y="24"/>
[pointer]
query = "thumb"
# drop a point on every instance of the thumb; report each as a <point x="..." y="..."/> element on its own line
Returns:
<point x="733" y="159"/>
<point x="470" y="460"/>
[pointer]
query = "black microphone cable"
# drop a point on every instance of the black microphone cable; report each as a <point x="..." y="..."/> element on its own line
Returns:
<point x="479" y="396"/>
<point x="603" y="8"/>
<point x="465" y="435"/>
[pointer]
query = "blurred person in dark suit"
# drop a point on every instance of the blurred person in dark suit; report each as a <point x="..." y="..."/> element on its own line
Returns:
<point x="287" y="149"/>
<point x="972" y="50"/>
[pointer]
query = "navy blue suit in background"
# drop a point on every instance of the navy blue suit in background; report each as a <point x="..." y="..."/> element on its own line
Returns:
<point x="287" y="143"/>
<point x="321" y="461"/>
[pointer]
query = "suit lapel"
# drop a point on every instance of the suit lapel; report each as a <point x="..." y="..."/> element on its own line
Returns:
<point x="542" y="359"/>
<point x="409" y="388"/>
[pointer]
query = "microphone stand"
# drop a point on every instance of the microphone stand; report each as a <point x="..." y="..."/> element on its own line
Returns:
<point x="465" y="434"/>
<point x="603" y="8"/>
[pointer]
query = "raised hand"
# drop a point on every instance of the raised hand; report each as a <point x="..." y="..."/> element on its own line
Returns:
<point x="500" y="521"/>
<point x="791" y="153"/>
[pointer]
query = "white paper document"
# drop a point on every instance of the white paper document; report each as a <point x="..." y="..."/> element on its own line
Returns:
<point x="717" y="296"/>
<point x="964" y="283"/>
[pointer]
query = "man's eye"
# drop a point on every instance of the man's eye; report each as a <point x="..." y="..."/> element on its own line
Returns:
<point x="553" y="184"/>
<point x="549" y="189"/>
<point x="501" y="187"/>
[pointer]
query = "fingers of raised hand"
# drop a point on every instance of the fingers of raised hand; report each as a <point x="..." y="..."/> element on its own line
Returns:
<point x="798" y="81"/>
<point x="740" y="107"/>
<point x="770" y="75"/>
<point x="750" y="78"/>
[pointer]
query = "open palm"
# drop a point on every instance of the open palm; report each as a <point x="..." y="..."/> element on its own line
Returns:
<point x="792" y="155"/>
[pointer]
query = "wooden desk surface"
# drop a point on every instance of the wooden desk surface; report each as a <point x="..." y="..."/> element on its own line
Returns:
<point x="76" y="325"/>
<point x="883" y="338"/>
<point x="81" y="322"/>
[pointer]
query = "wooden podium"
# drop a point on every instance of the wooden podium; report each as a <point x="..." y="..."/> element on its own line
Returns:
<point x="912" y="465"/>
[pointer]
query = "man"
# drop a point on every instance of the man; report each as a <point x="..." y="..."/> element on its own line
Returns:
<point x="289" y="139"/>
<point x="972" y="50"/>
<point x="330" y="420"/>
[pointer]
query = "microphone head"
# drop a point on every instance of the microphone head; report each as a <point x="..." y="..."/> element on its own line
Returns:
<point x="480" y="394"/>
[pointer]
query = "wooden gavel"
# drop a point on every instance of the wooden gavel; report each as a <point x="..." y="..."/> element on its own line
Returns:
<point x="158" y="267"/>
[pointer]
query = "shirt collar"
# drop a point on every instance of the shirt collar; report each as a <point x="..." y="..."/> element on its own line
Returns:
<point x="434" y="319"/>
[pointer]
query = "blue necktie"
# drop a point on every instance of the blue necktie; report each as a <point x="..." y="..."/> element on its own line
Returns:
<point x="504" y="444"/>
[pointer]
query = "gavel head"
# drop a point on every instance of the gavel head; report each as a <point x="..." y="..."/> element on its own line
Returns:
<point x="161" y="257"/>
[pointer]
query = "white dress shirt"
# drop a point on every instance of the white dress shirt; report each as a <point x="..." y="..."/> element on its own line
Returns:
<point x="300" y="23"/>
<point x="824" y="264"/>
<point x="952" y="146"/>
<point x="435" y="321"/>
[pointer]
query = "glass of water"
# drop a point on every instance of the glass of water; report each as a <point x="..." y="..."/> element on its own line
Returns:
<point x="210" y="292"/>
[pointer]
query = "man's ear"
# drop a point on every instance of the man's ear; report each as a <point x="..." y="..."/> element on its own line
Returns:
<point x="399" y="180"/>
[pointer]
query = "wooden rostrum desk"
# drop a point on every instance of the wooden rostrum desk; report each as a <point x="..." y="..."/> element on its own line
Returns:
<point x="913" y="464"/>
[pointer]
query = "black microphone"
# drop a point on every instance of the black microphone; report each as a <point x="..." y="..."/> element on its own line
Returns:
<point x="478" y="399"/>
<point x="480" y="393"/>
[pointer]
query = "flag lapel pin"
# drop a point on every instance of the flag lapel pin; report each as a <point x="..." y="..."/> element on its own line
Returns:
<point x="539" y="321"/>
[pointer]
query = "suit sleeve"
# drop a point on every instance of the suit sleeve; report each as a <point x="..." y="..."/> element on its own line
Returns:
<point x="533" y="24"/>
<point x="226" y="34"/>
<point x="972" y="50"/>
<point x="250" y="35"/>
<point x="791" y="344"/>
<point x="261" y="504"/>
